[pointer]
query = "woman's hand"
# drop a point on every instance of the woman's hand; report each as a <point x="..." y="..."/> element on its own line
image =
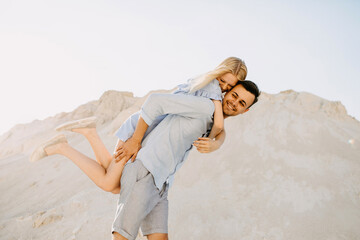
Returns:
<point x="206" y="145"/>
<point x="128" y="150"/>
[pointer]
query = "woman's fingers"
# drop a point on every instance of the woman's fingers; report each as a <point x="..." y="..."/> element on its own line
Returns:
<point x="201" y="143"/>
<point x="203" y="149"/>
<point x="204" y="138"/>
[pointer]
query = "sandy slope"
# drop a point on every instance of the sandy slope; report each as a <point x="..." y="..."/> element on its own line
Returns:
<point x="289" y="169"/>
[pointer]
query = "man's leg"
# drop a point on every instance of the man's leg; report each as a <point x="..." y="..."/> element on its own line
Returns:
<point x="158" y="236"/>
<point x="155" y="225"/>
<point x="117" y="236"/>
<point x="138" y="197"/>
<point x="154" y="236"/>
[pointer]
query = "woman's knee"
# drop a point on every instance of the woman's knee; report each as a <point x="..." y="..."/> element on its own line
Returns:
<point x="108" y="187"/>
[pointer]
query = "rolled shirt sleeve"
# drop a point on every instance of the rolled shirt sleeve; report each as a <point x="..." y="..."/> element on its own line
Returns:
<point x="128" y="127"/>
<point x="158" y="104"/>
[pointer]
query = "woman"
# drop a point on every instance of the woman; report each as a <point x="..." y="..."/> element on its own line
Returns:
<point x="106" y="172"/>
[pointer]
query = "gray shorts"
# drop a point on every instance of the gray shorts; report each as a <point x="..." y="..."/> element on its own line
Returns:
<point x="141" y="203"/>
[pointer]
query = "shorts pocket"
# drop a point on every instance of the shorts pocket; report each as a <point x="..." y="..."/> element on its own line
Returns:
<point x="142" y="172"/>
<point x="128" y="175"/>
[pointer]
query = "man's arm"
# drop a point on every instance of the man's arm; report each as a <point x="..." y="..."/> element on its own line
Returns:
<point x="127" y="129"/>
<point x="159" y="104"/>
<point x="185" y="105"/>
<point x="131" y="147"/>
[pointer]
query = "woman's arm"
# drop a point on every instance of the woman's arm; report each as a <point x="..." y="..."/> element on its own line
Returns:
<point x="207" y="145"/>
<point x="218" y="125"/>
<point x="158" y="104"/>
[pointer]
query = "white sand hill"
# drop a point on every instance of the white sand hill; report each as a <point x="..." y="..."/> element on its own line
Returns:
<point x="289" y="169"/>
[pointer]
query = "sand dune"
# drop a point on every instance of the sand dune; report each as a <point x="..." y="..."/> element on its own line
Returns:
<point x="289" y="169"/>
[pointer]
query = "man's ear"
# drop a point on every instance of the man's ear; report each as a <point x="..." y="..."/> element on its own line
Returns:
<point x="247" y="110"/>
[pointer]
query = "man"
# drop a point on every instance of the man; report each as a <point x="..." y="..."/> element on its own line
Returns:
<point x="145" y="182"/>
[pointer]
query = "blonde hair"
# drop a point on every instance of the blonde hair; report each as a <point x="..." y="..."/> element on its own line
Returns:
<point x="232" y="65"/>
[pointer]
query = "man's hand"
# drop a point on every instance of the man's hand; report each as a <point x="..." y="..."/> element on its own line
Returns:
<point x="206" y="145"/>
<point x="128" y="150"/>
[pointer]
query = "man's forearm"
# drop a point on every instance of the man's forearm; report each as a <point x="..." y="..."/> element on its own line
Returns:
<point x="131" y="147"/>
<point x="140" y="130"/>
<point x="185" y="105"/>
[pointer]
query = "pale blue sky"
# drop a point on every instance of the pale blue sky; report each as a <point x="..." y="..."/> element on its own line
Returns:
<point x="57" y="55"/>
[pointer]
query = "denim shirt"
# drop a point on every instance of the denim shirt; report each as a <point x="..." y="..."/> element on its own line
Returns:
<point x="175" y="121"/>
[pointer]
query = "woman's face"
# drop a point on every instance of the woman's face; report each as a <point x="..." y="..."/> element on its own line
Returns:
<point x="227" y="81"/>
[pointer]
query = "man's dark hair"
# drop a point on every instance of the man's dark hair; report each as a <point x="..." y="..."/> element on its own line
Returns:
<point x="252" y="88"/>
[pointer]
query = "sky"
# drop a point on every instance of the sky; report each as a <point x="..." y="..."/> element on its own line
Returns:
<point x="57" y="55"/>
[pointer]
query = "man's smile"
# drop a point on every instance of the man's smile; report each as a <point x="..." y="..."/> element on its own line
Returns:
<point x="230" y="106"/>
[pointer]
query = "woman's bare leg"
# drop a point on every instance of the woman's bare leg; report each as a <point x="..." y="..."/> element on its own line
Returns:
<point x="103" y="157"/>
<point x="107" y="179"/>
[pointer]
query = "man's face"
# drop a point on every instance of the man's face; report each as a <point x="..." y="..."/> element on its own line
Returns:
<point x="227" y="81"/>
<point x="237" y="101"/>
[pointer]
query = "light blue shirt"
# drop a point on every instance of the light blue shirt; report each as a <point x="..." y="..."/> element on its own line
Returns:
<point x="175" y="121"/>
<point x="211" y="90"/>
